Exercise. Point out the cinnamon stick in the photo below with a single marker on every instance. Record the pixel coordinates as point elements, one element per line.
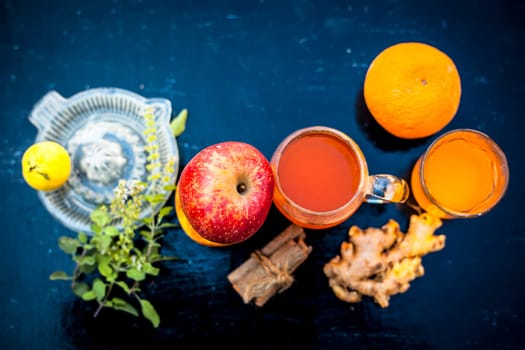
<point>269,270</point>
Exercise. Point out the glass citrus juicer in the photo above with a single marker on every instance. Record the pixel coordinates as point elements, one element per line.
<point>103,130</point>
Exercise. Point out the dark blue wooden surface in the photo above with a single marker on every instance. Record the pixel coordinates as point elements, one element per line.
<point>253,71</point>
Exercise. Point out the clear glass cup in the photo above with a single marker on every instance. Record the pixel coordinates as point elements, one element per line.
<point>321,178</point>
<point>462,174</point>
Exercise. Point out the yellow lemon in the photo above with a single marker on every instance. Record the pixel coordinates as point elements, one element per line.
<point>46,165</point>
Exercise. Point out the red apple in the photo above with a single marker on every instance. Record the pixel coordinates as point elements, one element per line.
<point>224,193</point>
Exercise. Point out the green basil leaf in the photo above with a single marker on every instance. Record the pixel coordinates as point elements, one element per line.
<point>154,199</point>
<point>87,260</point>
<point>150,313</point>
<point>122,305</point>
<point>97,229</point>
<point>150,269</point>
<point>178,124</point>
<point>135,274</point>
<point>79,288</point>
<point>158,258</point>
<point>111,231</point>
<point>145,233</point>
<point>104,269</point>
<point>124,286</point>
<point>60,275</point>
<point>87,269</point>
<point>68,245</point>
<point>163,212</point>
<point>99,288</point>
<point>104,243</point>
<point>82,237</point>
<point>168,225</point>
<point>103,259</point>
<point>89,295</point>
<point>100,217</point>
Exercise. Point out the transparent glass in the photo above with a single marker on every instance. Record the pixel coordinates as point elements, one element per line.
<point>103,130</point>
<point>298,200</point>
<point>462,174</point>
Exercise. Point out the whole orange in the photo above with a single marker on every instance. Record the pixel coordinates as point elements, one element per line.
<point>412,89</point>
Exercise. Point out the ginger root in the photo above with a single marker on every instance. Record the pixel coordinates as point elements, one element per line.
<point>380,262</point>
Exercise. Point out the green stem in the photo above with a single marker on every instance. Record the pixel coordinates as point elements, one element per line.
<point>76,272</point>
<point>136,296</point>
<point>102,303</point>
<point>151,240</point>
<point>133,287</point>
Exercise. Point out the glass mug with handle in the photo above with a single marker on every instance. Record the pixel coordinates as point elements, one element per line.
<point>321,178</point>
<point>462,174</point>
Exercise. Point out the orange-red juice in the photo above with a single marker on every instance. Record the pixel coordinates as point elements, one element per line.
<point>319,172</point>
<point>464,174</point>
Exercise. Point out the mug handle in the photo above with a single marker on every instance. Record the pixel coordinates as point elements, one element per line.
<point>384,188</point>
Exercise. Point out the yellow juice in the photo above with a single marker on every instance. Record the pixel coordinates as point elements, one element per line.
<point>462,174</point>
